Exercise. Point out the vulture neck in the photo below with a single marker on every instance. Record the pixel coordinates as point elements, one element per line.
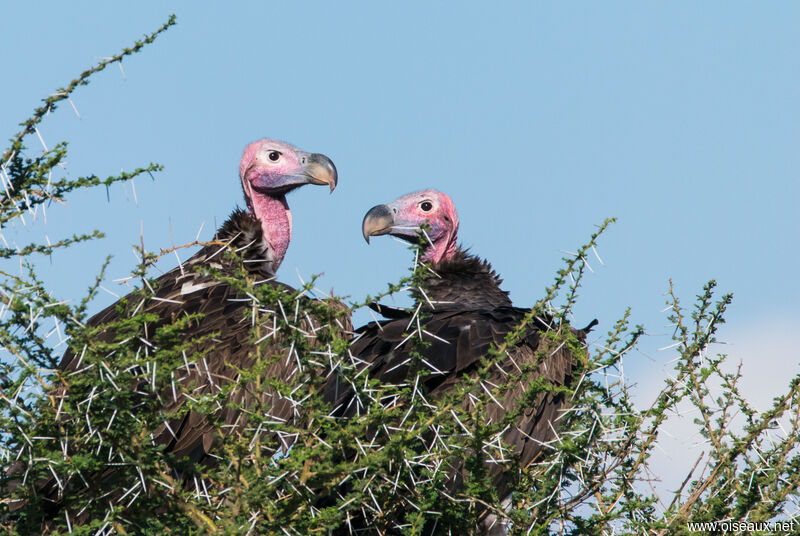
<point>243,233</point>
<point>464,281</point>
<point>276,225</point>
<point>442,250</point>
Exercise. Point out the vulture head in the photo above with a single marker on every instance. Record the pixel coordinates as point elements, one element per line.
<point>269,170</point>
<point>404,216</point>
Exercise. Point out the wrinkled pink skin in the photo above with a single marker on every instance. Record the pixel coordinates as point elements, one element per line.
<point>442,219</point>
<point>257,171</point>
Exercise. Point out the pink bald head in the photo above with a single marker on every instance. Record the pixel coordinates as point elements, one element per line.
<point>256,154</point>
<point>404,216</point>
<point>274,167</point>
<point>269,169</point>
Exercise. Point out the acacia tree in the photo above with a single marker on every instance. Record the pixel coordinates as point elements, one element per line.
<point>78,455</point>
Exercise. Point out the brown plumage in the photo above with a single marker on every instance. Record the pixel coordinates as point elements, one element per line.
<point>227,315</point>
<point>469,312</point>
<point>466,313</point>
<point>222,334</point>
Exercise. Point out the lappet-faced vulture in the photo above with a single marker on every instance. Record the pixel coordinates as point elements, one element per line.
<point>466,313</point>
<point>259,235</point>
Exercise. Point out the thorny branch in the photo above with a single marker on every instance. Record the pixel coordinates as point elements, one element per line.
<point>404,463</point>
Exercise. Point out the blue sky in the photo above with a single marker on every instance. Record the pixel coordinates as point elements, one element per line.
<point>540,120</point>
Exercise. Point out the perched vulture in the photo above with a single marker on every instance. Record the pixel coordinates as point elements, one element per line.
<point>268,170</point>
<point>467,311</point>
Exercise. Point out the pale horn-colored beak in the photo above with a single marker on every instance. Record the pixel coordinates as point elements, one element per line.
<point>379,220</point>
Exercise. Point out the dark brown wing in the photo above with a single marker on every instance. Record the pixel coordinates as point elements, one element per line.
<point>221,331</point>
<point>225,330</point>
<point>460,338</point>
<point>228,317</point>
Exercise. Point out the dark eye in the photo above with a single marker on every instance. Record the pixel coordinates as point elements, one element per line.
<point>274,155</point>
<point>426,206</point>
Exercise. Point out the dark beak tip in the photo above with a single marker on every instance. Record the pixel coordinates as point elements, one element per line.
<point>365,232</point>
<point>377,221</point>
<point>335,176</point>
<point>321,170</point>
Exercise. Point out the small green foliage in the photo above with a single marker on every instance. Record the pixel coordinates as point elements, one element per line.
<point>400,462</point>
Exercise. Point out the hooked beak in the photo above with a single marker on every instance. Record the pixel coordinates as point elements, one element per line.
<point>316,169</point>
<point>378,221</point>
<point>320,170</point>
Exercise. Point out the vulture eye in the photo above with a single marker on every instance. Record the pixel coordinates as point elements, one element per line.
<point>426,206</point>
<point>274,156</point>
